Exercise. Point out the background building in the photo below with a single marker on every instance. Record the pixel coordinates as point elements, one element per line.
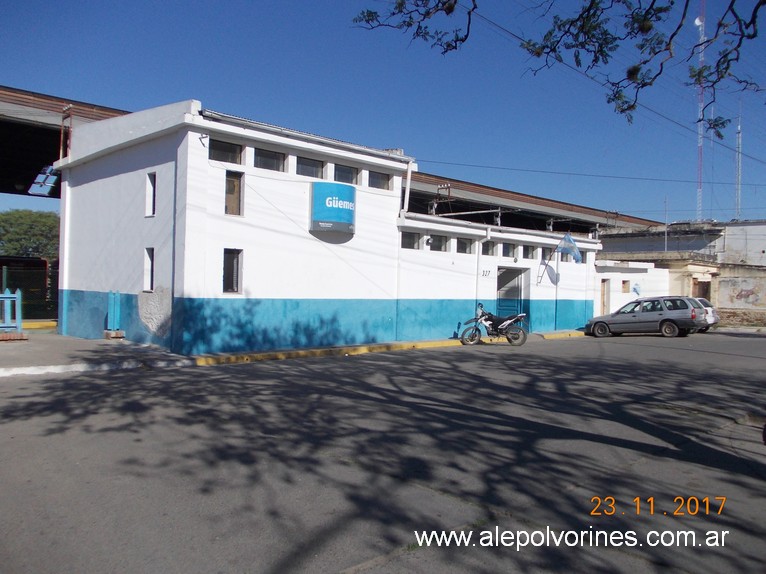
<point>724,262</point>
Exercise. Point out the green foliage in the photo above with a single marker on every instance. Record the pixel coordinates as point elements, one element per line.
<point>27,233</point>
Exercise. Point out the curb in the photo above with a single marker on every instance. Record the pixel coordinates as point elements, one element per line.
<point>235,358</point>
<point>94,367</point>
<point>562,335</point>
<point>34,325</point>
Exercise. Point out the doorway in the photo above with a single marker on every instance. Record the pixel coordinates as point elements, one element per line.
<point>510,291</point>
<point>605,304</point>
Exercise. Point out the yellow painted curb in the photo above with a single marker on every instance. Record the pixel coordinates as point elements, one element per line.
<point>562,335</point>
<point>235,358</point>
<point>32,325</point>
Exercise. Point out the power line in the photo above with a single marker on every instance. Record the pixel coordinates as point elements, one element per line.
<point>576,174</point>
<point>569,66</point>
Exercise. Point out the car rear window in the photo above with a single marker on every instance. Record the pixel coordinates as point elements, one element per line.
<point>675,304</point>
<point>705,302</point>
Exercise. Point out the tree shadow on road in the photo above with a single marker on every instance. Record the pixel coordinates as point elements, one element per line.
<point>379,435</point>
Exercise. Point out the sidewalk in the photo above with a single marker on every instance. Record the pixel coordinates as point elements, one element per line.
<point>44,352</point>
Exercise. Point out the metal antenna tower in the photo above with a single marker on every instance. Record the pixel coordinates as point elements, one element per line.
<point>738,193</point>
<point>700,23</point>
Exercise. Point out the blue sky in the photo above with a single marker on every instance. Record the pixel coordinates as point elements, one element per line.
<point>479,115</point>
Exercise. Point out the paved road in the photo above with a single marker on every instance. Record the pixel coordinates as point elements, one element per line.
<point>331,464</point>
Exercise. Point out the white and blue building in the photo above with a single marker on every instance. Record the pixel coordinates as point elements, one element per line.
<point>203,232</point>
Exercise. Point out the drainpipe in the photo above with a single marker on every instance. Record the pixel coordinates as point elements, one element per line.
<point>63,313</point>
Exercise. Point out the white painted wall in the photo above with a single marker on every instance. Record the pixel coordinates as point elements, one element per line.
<point>281,258</point>
<point>743,244</point>
<point>641,279</point>
<point>106,219</point>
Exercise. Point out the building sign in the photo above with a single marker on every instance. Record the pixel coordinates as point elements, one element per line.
<point>333,207</point>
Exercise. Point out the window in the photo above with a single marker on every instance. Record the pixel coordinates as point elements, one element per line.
<point>232,267</point>
<point>547,253</point>
<point>267,159</point>
<point>626,286</point>
<point>225,151</point>
<point>410,240</point>
<point>488,248</point>
<point>380,180</point>
<point>566,257</point>
<point>346,174</point>
<point>310,167</point>
<point>149,269</point>
<point>509,250</point>
<point>528,252</point>
<point>463,245</point>
<point>233,193</point>
<point>151,194</point>
<point>653,306</point>
<point>437,243</point>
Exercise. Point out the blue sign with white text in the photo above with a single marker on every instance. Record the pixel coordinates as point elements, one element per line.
<point>333,207</point>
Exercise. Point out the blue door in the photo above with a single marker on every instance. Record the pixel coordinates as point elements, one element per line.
<point>509,291</point>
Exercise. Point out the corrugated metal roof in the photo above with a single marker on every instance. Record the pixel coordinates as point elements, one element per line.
<point>530,202</point>
<point>55,104</point>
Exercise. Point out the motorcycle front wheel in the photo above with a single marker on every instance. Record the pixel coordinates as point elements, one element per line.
<point>471,336</point>
<point>516,336</point>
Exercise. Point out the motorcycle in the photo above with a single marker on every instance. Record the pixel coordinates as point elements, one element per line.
<point>510,327</point>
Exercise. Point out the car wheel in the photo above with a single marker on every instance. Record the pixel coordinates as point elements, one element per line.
<point>669,329</point>
<point>601,329</point>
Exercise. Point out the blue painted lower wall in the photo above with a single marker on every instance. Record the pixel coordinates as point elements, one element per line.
<point>202,326</point>
<point>84,314</point>
<point>545,315</point>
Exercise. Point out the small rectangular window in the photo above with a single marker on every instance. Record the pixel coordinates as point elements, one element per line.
<point>346,174</point>
<point>463,245</point>
<point>151,194</point>
<point>225,151</point>
<point>310,167</point>
<point>379,180</point>
<point>410,240</point>
<point>232,268</point>
<point>233,193</point>
<point>509,250</point>
<point>267,159</point>
<point>528,252</point>
<point>149,269</point>
<point>547,253</point>
<point>566,257</point>
<point>488,248</point>
<point>437,243</point>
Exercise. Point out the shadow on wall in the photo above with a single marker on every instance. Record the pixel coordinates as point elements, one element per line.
<point>223,326</point>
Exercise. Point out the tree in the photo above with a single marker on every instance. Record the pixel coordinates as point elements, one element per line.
<point>27,233</point>
<point>590,36</point>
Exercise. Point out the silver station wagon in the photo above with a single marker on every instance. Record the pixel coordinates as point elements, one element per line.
<point>671,316</point>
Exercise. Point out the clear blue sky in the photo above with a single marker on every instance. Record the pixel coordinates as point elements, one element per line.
<point>478,115</point>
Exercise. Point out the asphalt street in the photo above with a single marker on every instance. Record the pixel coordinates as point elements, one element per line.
<point>332,464</point>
